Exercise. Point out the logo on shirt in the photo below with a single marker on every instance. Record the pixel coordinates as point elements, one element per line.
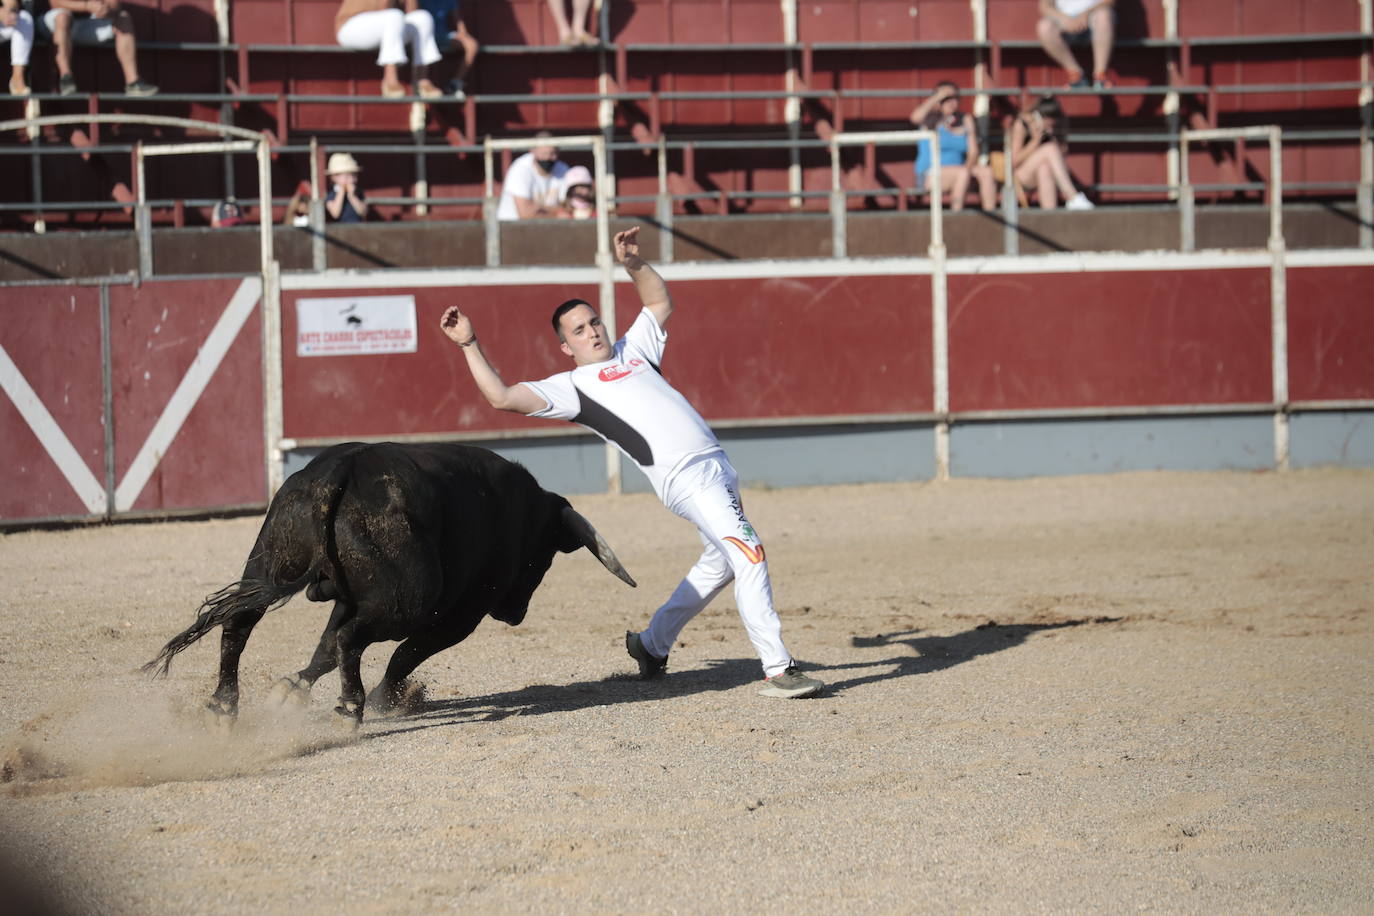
<point>612,373</point>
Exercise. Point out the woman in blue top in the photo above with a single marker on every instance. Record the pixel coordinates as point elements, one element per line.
<point>958,148</point>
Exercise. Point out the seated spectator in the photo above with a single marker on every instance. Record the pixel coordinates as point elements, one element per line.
<point>364,25</point>
<point>958,149</point>
<point>226,213</point>
<point>1076,22</point>
<point>572,32</point>
<point>16,27</point>
<point>450,32</point>
<point>345,202</point>
<point>1038,146</point>
<point>298,207</point>
<point>90,22</point>
<point>533,186</point>
<point>579,194</point>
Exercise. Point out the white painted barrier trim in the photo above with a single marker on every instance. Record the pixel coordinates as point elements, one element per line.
<point>188,392</point>
<point>1081,262</point>
<point>54,441</point>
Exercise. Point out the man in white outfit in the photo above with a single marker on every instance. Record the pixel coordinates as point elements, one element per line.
<point>615,389</point>
<point>16,27</point>
<point>367,24</point>
<point>533,186</point>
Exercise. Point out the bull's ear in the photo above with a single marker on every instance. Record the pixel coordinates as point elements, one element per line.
<point>584,535</point>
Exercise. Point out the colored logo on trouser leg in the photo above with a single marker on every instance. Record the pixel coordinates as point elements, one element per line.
<point>754,554</point>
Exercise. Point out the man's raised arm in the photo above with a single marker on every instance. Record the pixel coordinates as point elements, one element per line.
<point>515,398</point>
<point>653,292</point>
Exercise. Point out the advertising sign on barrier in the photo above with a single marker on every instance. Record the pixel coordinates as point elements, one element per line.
<point>355,326</point>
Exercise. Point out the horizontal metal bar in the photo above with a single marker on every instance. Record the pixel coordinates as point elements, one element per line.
<point>1257,132</point>
<point>1255,88</point>
<point>176,149</point>
<point>1298,38</point>
<point>1073,413</point>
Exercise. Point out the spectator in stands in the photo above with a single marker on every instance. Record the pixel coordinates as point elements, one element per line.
<point>226,213</point>
<point>365,25</point>
<point>345,202</point>
<point>298,207</point>
<point>450,32</point>
<point>579,194</point>
<point>572,32</point>
<point>16,27</point>
<point>1038,146</point>
<point>94,22</point>
<point>534,184</point>
<point>1078,22</point>
<point>958,149</point>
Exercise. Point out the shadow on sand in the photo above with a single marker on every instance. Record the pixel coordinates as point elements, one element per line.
<point>930,654</point>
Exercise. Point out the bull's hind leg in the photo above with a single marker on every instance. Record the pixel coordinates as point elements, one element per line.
<point>350,643</point>
<point>389,694</point>
<point>295,688</point>
<point>224,702</point>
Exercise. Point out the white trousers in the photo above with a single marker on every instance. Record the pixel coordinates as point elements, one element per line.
<point>706,493</point>
<point>389,31</point>
<point>20,37</point>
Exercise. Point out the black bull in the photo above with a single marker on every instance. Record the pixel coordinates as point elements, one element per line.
<point>411,542</point>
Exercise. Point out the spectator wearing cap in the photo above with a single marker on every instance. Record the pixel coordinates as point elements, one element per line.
<point>226,213</point>
<point>579,194</point>
<point>533,186</point>
<point>90,22</point>
<point>16,27</point>
<point>1079,22</point>
<point>345,202</point>
<point>366,25</point>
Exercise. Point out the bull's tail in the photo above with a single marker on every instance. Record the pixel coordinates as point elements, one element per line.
<point>254,595</point>
<point>249,596</point>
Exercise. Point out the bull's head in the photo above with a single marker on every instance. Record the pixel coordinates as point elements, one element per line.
<point>573,532</point>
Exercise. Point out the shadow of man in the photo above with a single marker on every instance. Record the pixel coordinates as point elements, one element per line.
<point>936,653</point>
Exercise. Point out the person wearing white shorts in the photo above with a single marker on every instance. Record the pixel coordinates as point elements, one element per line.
<point>94,22</point>
<point>16,27</point>
<point>380,25</point>
<point>616,390</point>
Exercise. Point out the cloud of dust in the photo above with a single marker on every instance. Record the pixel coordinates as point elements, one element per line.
<point>136,735</point>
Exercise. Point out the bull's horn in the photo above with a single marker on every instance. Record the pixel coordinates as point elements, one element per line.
<point>596,544</point>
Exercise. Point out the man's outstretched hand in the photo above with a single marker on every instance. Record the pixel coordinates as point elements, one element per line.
<point>457,326</point>
<point>627,246</point>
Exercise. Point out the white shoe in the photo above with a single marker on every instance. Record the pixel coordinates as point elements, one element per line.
<point>1079,202</point>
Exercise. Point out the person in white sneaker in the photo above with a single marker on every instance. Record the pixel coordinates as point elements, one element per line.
<point>16,27</point>
<point>1038,145</point>
<point>615,389</point>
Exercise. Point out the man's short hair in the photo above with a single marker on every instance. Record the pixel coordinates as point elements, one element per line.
<point>562,310</point>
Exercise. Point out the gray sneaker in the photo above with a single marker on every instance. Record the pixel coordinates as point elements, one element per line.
<point>790,684</point>
<point>650,666</point>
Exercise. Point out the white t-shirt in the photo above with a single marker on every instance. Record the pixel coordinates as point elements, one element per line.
<point>527,180</point>
<point>1075,7</point>
<point>625,400</point>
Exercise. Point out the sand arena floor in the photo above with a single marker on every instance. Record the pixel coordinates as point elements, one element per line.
<point>1141,691</point>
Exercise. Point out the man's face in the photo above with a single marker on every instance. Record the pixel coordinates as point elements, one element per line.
<point>546,157</point>
<point>584,337</point>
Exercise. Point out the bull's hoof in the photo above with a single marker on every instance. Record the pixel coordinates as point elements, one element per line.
<point>348,716</point>
<point>403,699</point>
<point>219,717</point>
<point>290,691</point>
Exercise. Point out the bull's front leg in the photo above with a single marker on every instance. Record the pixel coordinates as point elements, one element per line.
<point>224,702</point>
